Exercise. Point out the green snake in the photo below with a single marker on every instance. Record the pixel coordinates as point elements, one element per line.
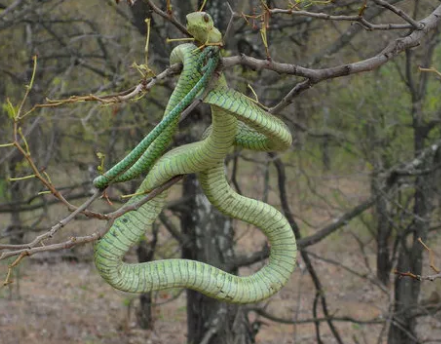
<point>236,121</point>
<point>153,145</point>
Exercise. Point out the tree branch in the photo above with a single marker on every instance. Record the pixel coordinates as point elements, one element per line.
<point>315,76</point>
<point>30,249</point>
<point>274,318</point>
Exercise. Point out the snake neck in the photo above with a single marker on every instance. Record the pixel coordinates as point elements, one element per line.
<point>222,132</point>
<point>198,156</point>
<point>188,56</point>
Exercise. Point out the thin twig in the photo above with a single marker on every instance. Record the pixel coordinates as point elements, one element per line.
<point>431,256</point>
<point>354,18</point>
<point>168,17</point>
<point>30,249</point>
<point>152,194</point>
<point>416,25</point>
<point>314,76</point>
<point>123,96</point>
<point>49,234</point>
<point>272,317</point>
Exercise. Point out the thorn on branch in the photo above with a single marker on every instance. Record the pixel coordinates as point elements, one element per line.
<point>362,9</point>
<point>430,70</point>
<point>5,145</point>
<point>12,179</point>
<point>407,274</point>
<point>432,265</point>
<point>106,197</point>
<point>431,256</point>
<point>8,280</point>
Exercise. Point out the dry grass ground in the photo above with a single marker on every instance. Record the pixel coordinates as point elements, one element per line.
<point>66,302</point>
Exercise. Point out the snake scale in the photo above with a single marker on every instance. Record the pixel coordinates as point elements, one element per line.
<point>236,121</point>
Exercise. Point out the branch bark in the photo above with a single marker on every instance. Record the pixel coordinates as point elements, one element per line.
<point>314,76</point>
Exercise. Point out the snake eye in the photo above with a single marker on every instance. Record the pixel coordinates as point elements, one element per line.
<point>206,18</point>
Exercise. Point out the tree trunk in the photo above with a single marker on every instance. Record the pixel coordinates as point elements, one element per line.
<point>407,290</point>
<point>384,231</point>
<point>208,320</point>
<point>145,252</point>
<point>402,330</point>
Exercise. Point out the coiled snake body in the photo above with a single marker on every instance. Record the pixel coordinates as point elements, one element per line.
<point>236,121</point>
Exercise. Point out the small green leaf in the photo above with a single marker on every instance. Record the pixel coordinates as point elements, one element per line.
<point>101,157</point>
<point>10,109</point>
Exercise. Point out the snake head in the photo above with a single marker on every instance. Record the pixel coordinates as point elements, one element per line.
<point>200,25</point>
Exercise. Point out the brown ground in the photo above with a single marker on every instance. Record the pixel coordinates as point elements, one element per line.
<point>62,302</point>
<point>67,302</point>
